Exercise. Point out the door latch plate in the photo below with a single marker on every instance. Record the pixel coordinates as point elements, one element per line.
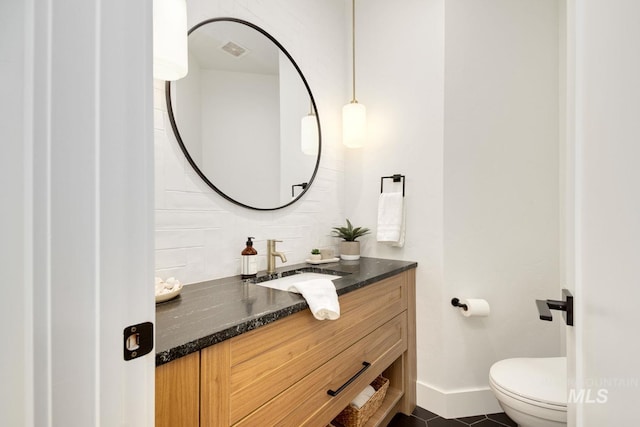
<point>137,340</point>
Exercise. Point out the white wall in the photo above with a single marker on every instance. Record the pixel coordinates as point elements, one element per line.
<point>501,180</point>
<point>199,235</point>
<point>462,98</point>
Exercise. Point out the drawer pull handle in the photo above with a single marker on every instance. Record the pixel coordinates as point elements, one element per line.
<point>365,366</point>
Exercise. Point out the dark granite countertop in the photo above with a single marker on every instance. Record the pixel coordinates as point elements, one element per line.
<point>209,312</point>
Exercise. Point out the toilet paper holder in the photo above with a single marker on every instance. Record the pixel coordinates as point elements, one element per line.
<point>456,303</point>
<point>472,307</point>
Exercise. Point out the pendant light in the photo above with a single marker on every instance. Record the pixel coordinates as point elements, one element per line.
<point>170,57</point>
<point>309,133</point>
<point>354,115</point>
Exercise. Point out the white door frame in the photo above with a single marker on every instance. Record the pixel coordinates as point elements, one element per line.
<point>80,176</point>
<point>604,211</point>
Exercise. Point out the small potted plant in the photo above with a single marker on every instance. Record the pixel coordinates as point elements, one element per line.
<point>315,255</point>
<point>350,247</point>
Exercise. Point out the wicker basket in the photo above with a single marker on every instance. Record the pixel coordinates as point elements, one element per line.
<point>353,417</point>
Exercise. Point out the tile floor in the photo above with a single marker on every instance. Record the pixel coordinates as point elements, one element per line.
<point>423,418</point>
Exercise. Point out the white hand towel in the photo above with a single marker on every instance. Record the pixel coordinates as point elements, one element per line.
<point>321,296</point>
<point>363,397</point>
<point>391,218</point>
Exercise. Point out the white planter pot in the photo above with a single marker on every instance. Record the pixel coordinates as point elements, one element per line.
<point>350,251</point>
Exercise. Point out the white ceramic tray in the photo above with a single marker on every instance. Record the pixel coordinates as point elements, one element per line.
<point>169,295</point>
<point>322,261</point>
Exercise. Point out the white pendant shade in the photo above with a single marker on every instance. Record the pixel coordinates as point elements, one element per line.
<point>170,57</point>
<point>354,125</point>
<point>309,135</point>
<point>354,115</point>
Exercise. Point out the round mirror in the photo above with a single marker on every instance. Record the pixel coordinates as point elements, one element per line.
<point>244,115</point>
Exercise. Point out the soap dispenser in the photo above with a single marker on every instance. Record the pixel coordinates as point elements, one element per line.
<point>249,267</point>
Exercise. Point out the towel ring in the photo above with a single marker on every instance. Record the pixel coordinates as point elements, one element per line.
<point>396,178</point>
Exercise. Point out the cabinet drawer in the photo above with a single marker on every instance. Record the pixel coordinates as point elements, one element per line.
<point>307,402</point>
<point>269,360</point>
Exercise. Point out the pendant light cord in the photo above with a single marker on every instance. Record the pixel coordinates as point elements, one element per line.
<point>353,46</point>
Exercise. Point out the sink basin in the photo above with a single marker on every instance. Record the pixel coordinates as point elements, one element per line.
<point>284,283</point>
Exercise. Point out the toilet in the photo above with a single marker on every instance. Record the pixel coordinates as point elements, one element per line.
<point>532,391</point>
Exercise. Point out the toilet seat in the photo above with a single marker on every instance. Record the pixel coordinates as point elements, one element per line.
<point>532,391</point>
<point>524,400</point>
<point>538,381</point>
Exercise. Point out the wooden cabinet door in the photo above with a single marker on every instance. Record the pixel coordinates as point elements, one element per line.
<point>178,392</point>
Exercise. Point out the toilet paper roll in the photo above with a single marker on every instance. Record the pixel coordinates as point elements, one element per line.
<point>475,308</point>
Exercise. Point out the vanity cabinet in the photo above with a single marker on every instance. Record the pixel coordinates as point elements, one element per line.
<point>279,374</point>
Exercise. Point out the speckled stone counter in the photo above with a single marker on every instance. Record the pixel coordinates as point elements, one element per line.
<point>210,312</point>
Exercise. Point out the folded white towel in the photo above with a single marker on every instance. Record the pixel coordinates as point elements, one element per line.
<point>391,219</point>
<point>363,397</point>
<point>321,296</point>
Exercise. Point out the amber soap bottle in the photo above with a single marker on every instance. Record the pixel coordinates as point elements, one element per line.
<point>249,260</point>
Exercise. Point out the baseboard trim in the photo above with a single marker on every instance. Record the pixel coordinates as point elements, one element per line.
<point>456,403</point>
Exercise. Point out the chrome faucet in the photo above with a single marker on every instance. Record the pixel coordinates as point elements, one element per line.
<point>272,254</point>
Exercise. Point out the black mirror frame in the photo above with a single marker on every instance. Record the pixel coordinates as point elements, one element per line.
<point>195,167</point>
